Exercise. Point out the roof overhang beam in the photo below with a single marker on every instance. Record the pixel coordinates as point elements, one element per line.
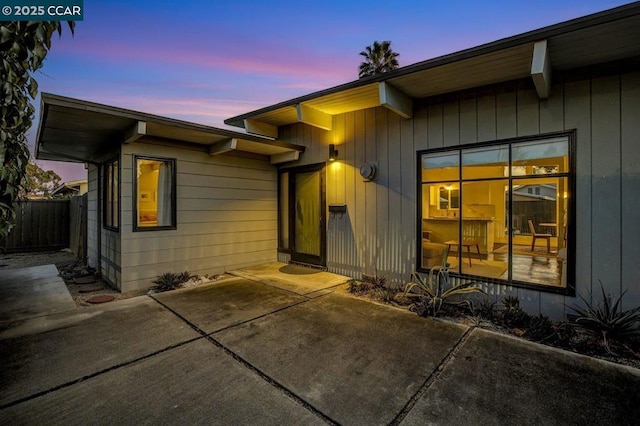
<point>224,146</point>
<point>135,132</point>
<point>260,128</point>
<point>541,69</point>
<point>314,117</point>
<point>284,157</point>
<point>395,100</point>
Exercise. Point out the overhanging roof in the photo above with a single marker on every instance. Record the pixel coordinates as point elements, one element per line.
<point>80,131</point>
<point>602,37</point>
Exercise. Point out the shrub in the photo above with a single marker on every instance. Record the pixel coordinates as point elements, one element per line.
<point>540,328</point>
<point>388,294</point>
<point>484,308</point>
<point>513,315</point>
<point>171,280</point>
<point>511,302</point>
<point>433,291</point>
<point>374,282</point>
<point>353,286</point>
<point>607,319</point>
<point>368,283</point>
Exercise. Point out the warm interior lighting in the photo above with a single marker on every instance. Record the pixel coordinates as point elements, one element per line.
<point>333,152</point>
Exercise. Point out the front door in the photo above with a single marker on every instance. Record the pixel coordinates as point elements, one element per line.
<point>307,214</point>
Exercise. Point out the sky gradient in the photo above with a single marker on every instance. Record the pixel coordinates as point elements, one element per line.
<point>205,61</point>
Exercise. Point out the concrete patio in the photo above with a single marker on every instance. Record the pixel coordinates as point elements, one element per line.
<point>246,351</point>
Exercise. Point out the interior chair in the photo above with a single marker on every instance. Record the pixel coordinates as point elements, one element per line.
<point>535,236</point>
<point>433,254</point>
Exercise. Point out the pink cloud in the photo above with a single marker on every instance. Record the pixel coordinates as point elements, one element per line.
<point>254,61</point>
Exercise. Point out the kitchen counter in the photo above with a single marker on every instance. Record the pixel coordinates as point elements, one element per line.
<point>464,219</point>
<point>446,228</point>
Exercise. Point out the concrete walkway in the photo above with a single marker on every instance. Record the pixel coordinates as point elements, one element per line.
<point>32,292</point>
<point>242,351</point>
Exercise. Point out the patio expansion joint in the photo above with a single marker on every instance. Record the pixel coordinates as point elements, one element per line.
<point>246,364</point>
<point>432,377</point>
<point>236,324</point>
<point>97,373</point>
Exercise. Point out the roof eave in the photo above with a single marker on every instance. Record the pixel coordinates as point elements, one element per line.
<point>130,126</point>
<point>583,22</point>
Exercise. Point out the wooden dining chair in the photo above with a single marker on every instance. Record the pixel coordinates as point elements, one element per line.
<point>535,236</point>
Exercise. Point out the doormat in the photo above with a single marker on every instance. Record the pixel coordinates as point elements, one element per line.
<point>294,266</point>
<point>299,270</point>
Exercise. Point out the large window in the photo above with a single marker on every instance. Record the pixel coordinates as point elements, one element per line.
<point>155,189</point>
<point>111,195</point>
<point>499,211</point>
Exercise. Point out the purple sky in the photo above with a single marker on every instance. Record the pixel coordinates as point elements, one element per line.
<point>204,61</point>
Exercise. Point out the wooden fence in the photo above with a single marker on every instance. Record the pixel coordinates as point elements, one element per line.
<point>78,225</point>
<point>47,225</point>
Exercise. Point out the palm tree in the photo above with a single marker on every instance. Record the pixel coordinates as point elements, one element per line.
<point>379,58</point>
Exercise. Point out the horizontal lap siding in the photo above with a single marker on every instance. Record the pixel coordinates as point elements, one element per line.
<point>226,215</point>
<point>103,245</point>
<point>377,235</point>
<point>92,216</point>
<point>110,260</point>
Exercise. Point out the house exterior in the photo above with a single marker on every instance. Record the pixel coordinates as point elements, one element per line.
<point>71,188</point>
<point>165,195</point>
<point>383,175</point>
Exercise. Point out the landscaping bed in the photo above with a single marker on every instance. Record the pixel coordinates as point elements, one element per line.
<point>506,316</point>
<point>83,283</point>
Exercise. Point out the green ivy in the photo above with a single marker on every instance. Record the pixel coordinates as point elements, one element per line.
<point>23,48</point>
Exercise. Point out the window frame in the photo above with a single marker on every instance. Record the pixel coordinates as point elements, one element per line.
<point>570,289</point>
<point>107,177</point>
<point>173,162</point>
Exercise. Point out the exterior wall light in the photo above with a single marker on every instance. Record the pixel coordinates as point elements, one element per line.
<point>333,152</point>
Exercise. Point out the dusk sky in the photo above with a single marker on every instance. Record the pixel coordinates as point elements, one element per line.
<point>205,61</point>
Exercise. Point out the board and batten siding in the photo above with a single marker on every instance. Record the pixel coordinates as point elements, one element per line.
<point>226,214</point>
<point>377,234</point>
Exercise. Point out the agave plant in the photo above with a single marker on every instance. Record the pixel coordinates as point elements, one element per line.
<point>608,319</point>
<point>435,289</point>
<point>171,280</point>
